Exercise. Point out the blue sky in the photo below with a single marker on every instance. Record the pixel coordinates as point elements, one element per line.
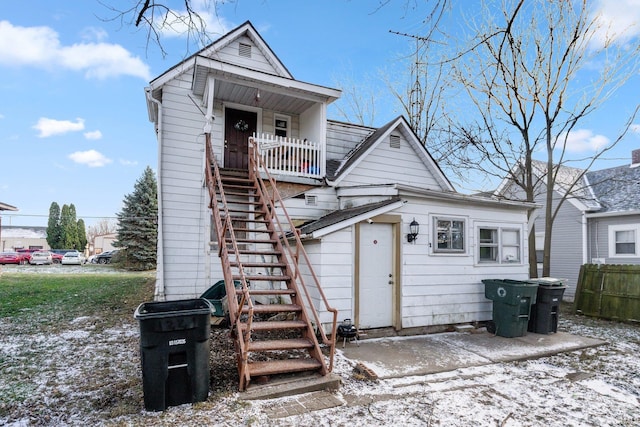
<point>73,120</point>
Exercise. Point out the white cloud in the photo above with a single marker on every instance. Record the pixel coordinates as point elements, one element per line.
<point>40,47</point>
<point>125,162</point>
<point>91,158</point>
<point>619,20</point>
<point>582,140</point>
<point>50,127</point>
<point>93,135</point>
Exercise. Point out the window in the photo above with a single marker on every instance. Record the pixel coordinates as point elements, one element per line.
<point>623,240</point>
<point>449,235</point>
<point>281,126</point>
<point>498,245</point>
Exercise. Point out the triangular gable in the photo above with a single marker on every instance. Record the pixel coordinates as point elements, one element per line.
<point>248,31</point>
<point>245,30</point>
<point>583,199</point>
<point>373,141</point>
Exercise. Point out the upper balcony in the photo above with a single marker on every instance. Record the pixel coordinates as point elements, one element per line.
<point>291,156</point>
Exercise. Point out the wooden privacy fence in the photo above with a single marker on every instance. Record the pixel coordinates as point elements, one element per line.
<point>609,291</point>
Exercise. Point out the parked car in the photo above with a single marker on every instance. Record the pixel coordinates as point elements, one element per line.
<point>73,258</point>
<point>56,258</point>
<point>11,258</point>
<point>105,257</point>
<point>41,257</point>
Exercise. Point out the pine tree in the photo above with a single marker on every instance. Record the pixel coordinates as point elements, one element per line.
<point>82,235</point>
<point>69,227</point>
<point>54,231</point>
<point>138,224</point>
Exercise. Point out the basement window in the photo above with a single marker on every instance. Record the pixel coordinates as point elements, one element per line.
<point>244,50</point>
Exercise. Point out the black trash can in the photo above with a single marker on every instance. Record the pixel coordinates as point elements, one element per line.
<point>512,300</point>
<point>174,348</point>
<point>544,313</point>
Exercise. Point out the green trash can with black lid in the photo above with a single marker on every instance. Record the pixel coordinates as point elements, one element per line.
<point>545,311</point>
<point>174,351</point>
<point>512,301</point>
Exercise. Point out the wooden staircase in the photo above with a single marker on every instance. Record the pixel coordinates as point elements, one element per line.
<point>274,322</point>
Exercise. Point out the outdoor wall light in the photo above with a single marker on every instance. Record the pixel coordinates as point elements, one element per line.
<point>414,229</point>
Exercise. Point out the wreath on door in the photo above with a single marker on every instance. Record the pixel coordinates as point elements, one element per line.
<point>241,125</point>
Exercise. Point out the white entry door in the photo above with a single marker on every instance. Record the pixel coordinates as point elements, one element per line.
<point>376,284</point>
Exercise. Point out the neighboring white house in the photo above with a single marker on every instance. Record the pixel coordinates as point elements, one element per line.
<point>599,222</point>
<point>22,237</point>
<point>103,243</point>
<point>353,190</point>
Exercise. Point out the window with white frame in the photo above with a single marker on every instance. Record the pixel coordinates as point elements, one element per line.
<point>499,245</point>
<point>449,235</point>
<point>623,240</point>
<point>281,125</point>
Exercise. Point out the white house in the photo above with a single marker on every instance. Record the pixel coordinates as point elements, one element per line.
<point>352,192</point>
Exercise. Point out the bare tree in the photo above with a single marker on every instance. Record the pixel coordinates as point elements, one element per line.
<point>159,17</point>
<point>520,77</point>
<point>102,227</point>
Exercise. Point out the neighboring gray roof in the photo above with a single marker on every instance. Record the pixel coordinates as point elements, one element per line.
<point>343,215</point>
<point>617,189</point>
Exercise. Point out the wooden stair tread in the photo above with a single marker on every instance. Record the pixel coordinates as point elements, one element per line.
<point>282,366</point>
<point>263,277</point>
<point>259,264</point>
<point>275,325</point>
<point>283,344</point>
<point>273,308</point>
<point>268,292</point>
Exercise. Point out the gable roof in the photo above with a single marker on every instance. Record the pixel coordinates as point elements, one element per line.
<point>617,189</point>
<point>581,194</point>
<point>353,158</point>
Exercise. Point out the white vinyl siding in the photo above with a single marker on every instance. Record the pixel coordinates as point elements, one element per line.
<point>245,53</point>
<point>385,165</point>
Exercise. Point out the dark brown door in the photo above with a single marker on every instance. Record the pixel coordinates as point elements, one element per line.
<point>238,127</point>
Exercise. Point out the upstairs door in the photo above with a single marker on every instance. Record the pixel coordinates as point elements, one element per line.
<point>238,127</point>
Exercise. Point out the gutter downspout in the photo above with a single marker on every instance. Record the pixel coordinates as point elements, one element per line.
<point>585,237</point>
<point>159,294</point>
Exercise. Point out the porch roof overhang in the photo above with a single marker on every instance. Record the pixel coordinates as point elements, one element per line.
<point>6,207</point>
<point>239,85</point>
<point>342,218</point>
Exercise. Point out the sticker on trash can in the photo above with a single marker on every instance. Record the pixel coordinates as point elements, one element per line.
<point>180,341</point>
<point>502,292</point>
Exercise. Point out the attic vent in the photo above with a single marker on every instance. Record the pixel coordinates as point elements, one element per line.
<point>244,50</point>
<point>310,200</point>
<point>394,141</point>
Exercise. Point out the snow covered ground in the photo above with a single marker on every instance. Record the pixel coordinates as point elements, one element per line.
<point>87,371</point>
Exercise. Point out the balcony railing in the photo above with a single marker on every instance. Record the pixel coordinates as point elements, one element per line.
<point>290,156</point>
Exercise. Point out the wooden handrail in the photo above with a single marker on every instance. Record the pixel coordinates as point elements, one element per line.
<point>213,180</point>
<point>257,165</point>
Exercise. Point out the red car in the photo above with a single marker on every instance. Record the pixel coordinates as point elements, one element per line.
<point>12,258</point>
<point>57,258</point>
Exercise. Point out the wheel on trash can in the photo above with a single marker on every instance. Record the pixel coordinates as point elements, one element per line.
<point>491,327</point>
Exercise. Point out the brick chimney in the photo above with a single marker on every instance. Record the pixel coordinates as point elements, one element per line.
<point>635,157</point>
